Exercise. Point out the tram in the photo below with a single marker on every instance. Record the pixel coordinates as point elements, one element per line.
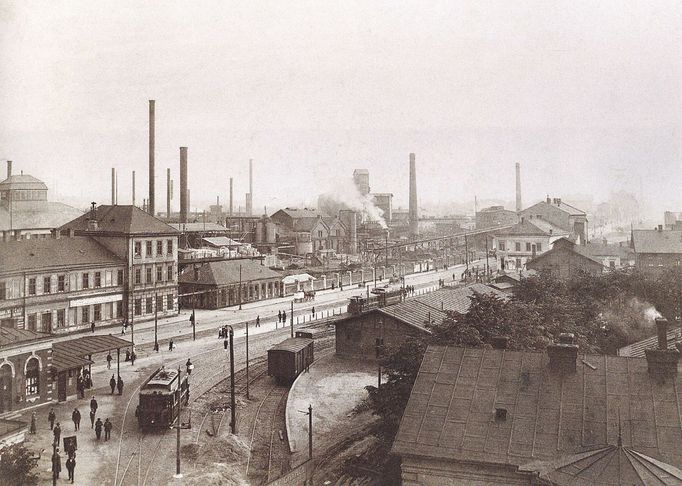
<point>160,399</point>
<point>380,298</point>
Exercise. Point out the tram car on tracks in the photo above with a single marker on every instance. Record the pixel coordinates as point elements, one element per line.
<point>160,398</point>
<point>379,298</point>
<point>291,357</point>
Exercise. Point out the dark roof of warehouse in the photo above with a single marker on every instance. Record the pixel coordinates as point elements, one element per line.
<point>457,299</point>
<point>414,313</point>
<point>26,255</point>
<point>293,345</point>
<point>524,228</point>
<point>296,213</point>
<point>227,273</point>
<point>122,220</point>
<point>654,241</point>
<point>564,244</point>
<point>88,345</point>
<point>10,335</point>
<point>451,410</point>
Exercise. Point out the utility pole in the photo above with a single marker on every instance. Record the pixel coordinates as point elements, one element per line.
<point>309,413</point>
<point>466,252</point>
<point>487,266</point>
<point>240,287</point>
<point>177,427</point>
<point>156,322</point>
<point>194,315</point>
<point>247,360</point>
<point>292,318</point>
<point>233,407</point>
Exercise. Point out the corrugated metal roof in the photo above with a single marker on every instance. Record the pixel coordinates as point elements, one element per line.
<point>87,345</point>
<point>292,344</point>
<point>457,299</point>
<point>27,255</point>
<point>654,241</point>
<point>451,410</point>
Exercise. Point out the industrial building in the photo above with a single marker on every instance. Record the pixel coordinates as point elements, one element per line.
<point>559,214</point>
<point>495,216</point>
<point>657,250</point>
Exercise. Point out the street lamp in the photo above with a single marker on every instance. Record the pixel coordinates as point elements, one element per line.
<point>309,413</point>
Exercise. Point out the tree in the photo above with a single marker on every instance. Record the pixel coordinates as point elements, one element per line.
<point>17,466</point>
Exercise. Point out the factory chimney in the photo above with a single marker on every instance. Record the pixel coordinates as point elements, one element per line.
<point>230,196</point>
<point>183,185</point>
<point>519,206</point>
<point>249,196</point>
<point>414,213</point>
<point>9,169</point>
<point>133,188</point>
<point>151,157</point>
<point>168,193</point>
<point>113,186</point>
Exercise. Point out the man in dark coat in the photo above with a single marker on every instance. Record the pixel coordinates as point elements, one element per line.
<point>98,428</point>
<point>71,466</point>
<point>93,404</point>
<point>57,431</point>
<point>119,385</point>
<point>56,464</point>
<point>107,429</point>
<point>109,358</point>
<point>76,417</point>
<point>112,384</point>
<point>92,418</point>
<point>51,418</point>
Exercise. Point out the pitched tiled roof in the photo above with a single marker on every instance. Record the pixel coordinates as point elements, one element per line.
<point>451,412</point>
<point>47,215</point>
<point>568,245</point>
<point>605,250</point>
<point>10,335</point>
<point>457,299</point>
<point>567,208</point>
<point>227,273</point>
<point>122,220</point>
<point>654,241</point>
<point>524,228</point>
<point>307,224</point>
<point>636,350</point>
<point>33,254</point>
<point>414,313</point>
<point>296,213</point>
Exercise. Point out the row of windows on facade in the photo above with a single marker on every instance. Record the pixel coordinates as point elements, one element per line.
<point>517,246</point>
<point>115,311</point>
<point>24,195</point>
<point>149,272</point>
<point>47,287</point>
<point>32,376</point>
<point>149,248</point>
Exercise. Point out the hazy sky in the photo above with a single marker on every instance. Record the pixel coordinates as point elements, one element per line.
<point>585,95</point>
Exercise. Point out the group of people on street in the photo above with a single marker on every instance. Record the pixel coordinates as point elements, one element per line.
<point>282,317</point>
<point>82,382</point>
<point>116,384</point>
<point>409,289</point>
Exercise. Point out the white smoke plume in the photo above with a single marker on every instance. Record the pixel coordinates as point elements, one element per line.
<point>345,195</point>
<point>651,313</point>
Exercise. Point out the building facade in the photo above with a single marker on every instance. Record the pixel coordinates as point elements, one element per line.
<point>495,216</point>
<point>566,260</point>
<point>559,214</point>
<point>516,246</point>
<point>657,250</point>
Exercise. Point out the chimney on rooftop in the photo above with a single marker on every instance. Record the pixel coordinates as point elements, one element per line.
<point>564,354</point>
<point>92,221</point>
<point>518,188</point>
<point>549,201</point>
<point>168,193</point>
<point>662,362</point>
<point>113,186</point>
<point>9,169</point>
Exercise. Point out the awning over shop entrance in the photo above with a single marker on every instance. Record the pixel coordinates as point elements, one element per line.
<point>89,345</point>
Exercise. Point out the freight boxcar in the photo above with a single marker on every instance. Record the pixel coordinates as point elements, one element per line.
<point>289,358</point>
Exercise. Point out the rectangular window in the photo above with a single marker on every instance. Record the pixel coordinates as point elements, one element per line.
<point>149,249</point>
<point>538,246</point>
<point>138,307</point>
<point>501,245</point>
<point>32,319</point>
<point>46,322</point>
<point>61,283</point>
<point>61,318</point>
<point>159,247</point>
<point>98,312</point>
<point>319,234</point>
<point>138,249</point>
<point>149,307</point>
<point>159,273</point>
<point>85,314</point>
<point>31,286</point>
<point>32,382</point>
<point>159,303</point>
<point>528,247</point>
<point>119,277</point>
<point>86,280</point>
<point>3,291</point>
<point>518,246</point>
<point>169,302</point>
<point>119,309</point>
<point>169,247</point>
<point>98,279</point>
<point>148,275</point>
<point>46,285</point>
<point>169,273</point>
<point>138,276</point>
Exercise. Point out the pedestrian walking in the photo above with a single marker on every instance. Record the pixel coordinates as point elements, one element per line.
<point>93,404</point>
<point>107,429</point>
<point>119,385</point>
<point>171,345</point>
<point>98,428</point>
<point>109,358</point>
<point>92,419</point>
<point>127,355</point>
<point>56,464</point>
<point>51,418</point>
<point>112,384</point>
<point>57,431</point>
<point>71,466</point>
<point>279,316</point>
<point>257,321</point>
<point>92,327</point>
<point>312,311</point>
<point>284,317</point>
<point>76,417</point>
<point>33,423</point>
<point>80,386</point>
<point>133,356</point>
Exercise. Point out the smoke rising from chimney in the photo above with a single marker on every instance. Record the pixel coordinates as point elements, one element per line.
<point>346,195</point>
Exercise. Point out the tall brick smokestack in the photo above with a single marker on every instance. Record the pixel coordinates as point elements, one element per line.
<point>414,213</point>
<point>230,196</point>
<point>519,206</point>
<point>183,185</point>
<point>168,193</point>
<point>151,156</point>
<point>113,186</point>
<point>249,196</point>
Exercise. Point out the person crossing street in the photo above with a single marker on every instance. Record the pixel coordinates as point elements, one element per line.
<point>51,418</point>
<point>98,428</point>
<point>76,417</point>
<point>119,385</point>
<point>107,429</point>
<point>71,467</point>
<point>112,384</point>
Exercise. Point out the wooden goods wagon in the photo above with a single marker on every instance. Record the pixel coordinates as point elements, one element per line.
<point>289,358</point>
